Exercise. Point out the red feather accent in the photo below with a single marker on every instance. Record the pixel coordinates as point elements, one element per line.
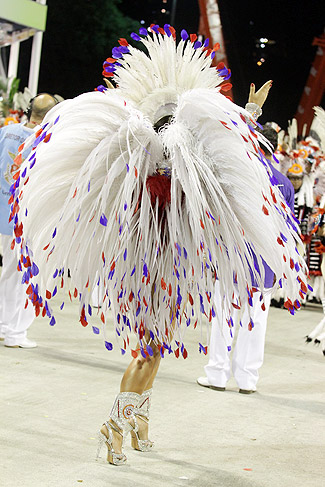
<point>123,42</point>
<point>265,210</point>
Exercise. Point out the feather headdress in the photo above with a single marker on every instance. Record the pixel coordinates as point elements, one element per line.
<point>167,71</point>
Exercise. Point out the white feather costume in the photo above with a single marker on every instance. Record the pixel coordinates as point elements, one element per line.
<point>82,200</point>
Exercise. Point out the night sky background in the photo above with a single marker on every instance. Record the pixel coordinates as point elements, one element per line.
<point>80,35</point>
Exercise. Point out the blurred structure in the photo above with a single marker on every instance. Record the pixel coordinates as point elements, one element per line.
<point>315,87</point>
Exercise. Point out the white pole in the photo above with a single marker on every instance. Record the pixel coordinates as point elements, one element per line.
<point>35,59</point>
<point>13,60</point>
<point>3,71</point>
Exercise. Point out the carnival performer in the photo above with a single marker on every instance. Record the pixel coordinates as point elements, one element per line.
<point>293,164</point>
<point>315,145</point>
<point>146,189</point>
<point>304,162</point>
<point>318,333</point>
<point>315,166</point>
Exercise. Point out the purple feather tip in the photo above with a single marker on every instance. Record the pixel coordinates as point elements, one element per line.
<point>101,88</point>
<point>135,36</point>
<point>116,51</point>
<point>103,220</point>
<point>167,30</point>
<point>155,28</point>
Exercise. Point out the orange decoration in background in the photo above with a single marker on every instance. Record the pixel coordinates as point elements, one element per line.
<point>303,153</point>
<point>10,120</point>
<point>296,169</point>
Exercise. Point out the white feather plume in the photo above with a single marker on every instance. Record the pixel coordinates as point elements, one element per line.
<point>84,203</point>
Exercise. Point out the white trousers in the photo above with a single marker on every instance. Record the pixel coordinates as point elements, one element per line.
<point>14,318</point>
<point>248,353</point>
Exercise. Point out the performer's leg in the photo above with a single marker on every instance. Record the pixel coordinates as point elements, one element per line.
<point>249,350</point>
<point>3,325</point>
<point>218,368</point>
<point>316,331</point>
<point>14,317</point>
<point>141,372</point>
<point>130,411</point>
<point>139,377</point>
<point>7,282</point>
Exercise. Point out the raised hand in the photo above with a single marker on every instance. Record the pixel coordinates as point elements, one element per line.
<point>259,96</point>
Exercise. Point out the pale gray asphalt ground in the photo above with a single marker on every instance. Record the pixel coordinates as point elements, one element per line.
<point>54,399</point>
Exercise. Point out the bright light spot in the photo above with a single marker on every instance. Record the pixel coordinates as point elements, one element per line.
<point>163,10</point>
<point>262,46</point>
<point>259,63</point>
<point>262,59</point>
<point>142,22</point>
<point>264,40</point>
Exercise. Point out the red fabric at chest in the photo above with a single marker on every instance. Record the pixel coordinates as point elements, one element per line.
<point>158,187</point>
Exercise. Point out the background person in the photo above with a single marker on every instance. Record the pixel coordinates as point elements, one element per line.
<point>248,353</point>
<point>15,316</point>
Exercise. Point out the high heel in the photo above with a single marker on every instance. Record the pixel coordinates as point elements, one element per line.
<point>141,412</point>
<point>112,457</point>
<point>121,414</point>
<point>136,443</point>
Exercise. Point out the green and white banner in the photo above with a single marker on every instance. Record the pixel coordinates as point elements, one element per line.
<point>24,12</point>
